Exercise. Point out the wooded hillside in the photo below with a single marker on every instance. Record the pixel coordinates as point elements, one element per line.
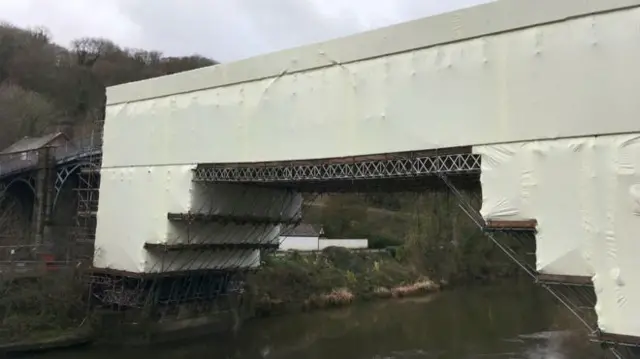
<point>44,86</point>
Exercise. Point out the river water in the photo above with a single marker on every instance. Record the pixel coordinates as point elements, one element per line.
<point>504,321</point>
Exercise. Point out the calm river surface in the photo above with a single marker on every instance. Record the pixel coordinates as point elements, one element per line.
<point>505,321</point>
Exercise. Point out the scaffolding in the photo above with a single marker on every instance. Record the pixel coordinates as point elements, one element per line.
<point>87,195</point>
<point>217,262</point>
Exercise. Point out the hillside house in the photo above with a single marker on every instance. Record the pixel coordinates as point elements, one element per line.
<point>24,152</point>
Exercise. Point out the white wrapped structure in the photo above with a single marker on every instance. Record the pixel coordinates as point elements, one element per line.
<point>409,87</point>
<point>534,86</point>
<point>585,195</point>
<point>153,192</point>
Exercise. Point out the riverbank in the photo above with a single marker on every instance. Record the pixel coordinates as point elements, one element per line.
<point>331,278</point>
<point>51,309</point>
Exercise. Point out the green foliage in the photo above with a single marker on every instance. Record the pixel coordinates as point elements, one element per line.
<point>293,277</point>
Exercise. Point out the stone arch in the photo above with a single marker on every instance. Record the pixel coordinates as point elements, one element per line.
<point>17,197</point>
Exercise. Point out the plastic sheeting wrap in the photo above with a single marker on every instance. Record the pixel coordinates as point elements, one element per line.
<point>134,203</point>
<point>133,209</point>
<point>399,99</point>
<point>585,195</point>
<point>542,181</point>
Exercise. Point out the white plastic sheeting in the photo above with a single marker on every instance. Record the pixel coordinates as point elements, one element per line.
<point>584,193</point>
<point>541,180</point>
<point>135,201</point>
<point>519,85</point>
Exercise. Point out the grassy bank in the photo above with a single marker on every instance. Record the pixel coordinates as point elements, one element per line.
<point>333,277</point>
<point>43,308</point>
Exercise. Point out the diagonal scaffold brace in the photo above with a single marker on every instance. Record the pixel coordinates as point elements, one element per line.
<point>477,218</point>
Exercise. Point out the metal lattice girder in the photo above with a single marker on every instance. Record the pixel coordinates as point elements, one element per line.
<point>231,218</point>
<point>450,164</point>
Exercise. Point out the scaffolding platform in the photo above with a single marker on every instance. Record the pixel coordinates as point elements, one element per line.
<point>219,246</point>
<point>525,225</point>
<point>230,218</point>
<point>553,279</point>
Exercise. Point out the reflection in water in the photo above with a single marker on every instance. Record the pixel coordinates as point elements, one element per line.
<point>507,321</point>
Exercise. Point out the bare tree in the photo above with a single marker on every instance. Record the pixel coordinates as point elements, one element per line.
<point>88,50</point>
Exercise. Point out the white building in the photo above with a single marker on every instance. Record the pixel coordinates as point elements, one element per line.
<point>308,237</point>
<point>304,237</point>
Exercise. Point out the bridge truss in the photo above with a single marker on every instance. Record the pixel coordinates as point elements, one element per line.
<point>87,197</point>
<point>389,172</point>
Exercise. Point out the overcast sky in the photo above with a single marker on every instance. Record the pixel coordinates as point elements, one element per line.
<point>225,30</point>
